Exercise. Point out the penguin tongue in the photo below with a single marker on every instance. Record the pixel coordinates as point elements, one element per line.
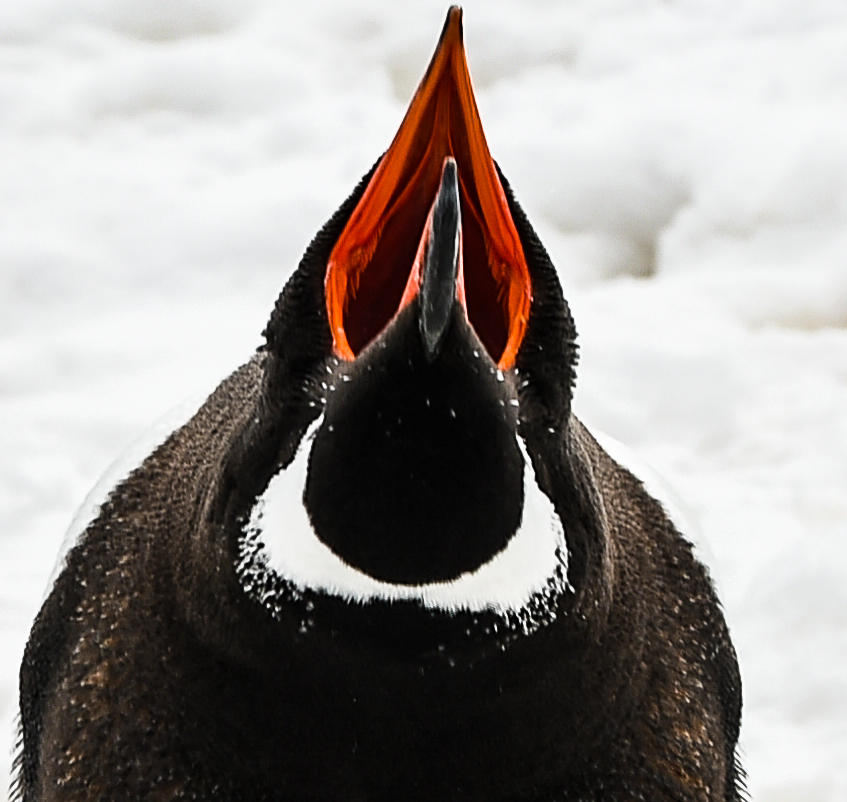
<point>370,270</point>
<point>437,275</point>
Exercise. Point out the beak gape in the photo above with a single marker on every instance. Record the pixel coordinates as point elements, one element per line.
<point>374,269</point>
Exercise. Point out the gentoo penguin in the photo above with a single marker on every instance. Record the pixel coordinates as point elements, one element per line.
<point>384,561</point>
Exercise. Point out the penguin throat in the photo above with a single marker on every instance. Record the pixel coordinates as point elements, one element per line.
<point>369,269</point>
<point>281,557</point>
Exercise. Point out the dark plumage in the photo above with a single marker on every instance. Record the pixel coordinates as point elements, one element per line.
<point>173,661</point>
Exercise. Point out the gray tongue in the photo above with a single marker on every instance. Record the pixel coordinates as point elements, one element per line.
<point>441,262</point>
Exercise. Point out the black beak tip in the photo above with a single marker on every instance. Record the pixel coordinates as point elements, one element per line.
<point>454,16</point>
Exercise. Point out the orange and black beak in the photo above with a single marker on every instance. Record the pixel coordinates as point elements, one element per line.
<point>376,265</point>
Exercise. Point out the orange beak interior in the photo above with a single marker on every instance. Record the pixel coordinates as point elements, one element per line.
<point>370,265</point>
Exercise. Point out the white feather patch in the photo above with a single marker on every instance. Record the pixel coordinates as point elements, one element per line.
<point>535,555</point>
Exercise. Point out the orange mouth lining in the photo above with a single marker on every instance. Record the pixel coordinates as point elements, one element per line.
<point>369,266</point>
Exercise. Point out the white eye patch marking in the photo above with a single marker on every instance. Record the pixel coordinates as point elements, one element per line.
<point>535,554</point>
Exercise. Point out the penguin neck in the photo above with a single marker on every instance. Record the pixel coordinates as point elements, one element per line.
<point>411,485</point>
<point>415,475</point>
<point>286,567</point>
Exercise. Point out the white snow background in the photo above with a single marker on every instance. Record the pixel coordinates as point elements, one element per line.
<point>163,165</point>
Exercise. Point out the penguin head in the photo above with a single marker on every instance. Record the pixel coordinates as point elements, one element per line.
<point>418,379</point>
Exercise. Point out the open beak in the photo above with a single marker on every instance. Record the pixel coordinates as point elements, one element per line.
<point>374,269</point>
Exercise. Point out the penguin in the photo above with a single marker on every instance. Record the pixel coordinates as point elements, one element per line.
<point>384,560</point>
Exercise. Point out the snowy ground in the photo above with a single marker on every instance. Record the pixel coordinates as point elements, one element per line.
<point>164,163</point>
